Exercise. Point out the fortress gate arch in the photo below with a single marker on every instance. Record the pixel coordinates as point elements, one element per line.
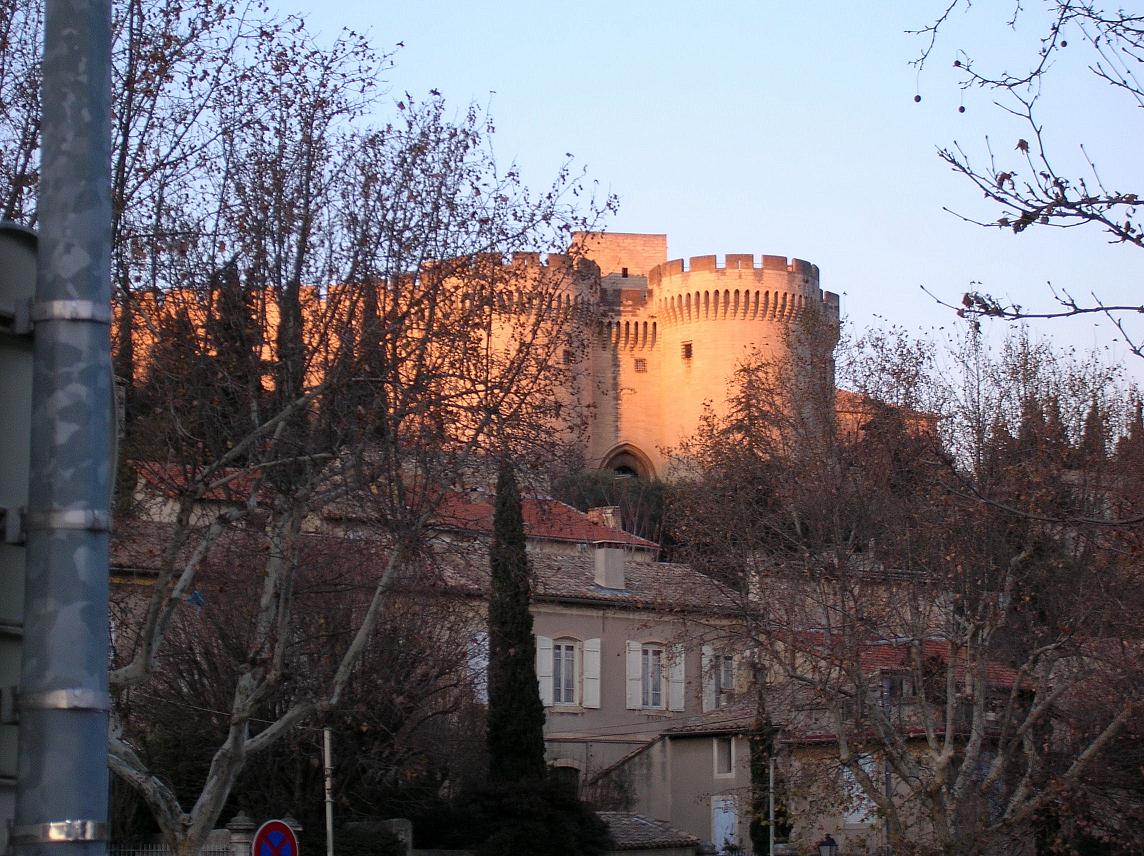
<point>626,459</point>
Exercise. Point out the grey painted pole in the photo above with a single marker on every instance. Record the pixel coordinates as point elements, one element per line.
<point>62,778</point>
<point>771,803</point>
<point>328,759</point>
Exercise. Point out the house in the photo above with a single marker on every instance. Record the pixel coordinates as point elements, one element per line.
<point>627,647</point>
<point>714,771</point>
<point>696,772</point>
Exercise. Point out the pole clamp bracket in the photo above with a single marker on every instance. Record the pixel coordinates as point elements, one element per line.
<point>70,310</point>
<point>68,698</point>
<point>86,519</point>
<point>60,831</point>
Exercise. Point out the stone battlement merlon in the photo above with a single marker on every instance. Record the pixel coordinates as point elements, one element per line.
<point>732,262</point>
<point>506,261</point>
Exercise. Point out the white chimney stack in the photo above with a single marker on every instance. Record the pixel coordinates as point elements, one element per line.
<point>610,565</point>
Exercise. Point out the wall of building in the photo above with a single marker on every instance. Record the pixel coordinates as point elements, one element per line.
<point>676,780</point>
<point>591,739</point>
<point>695,785</point>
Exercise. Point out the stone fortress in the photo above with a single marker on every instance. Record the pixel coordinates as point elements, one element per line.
<point>673,334</point>
<point>663,338</point>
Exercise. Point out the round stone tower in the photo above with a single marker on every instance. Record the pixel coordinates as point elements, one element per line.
<point>673,334</point>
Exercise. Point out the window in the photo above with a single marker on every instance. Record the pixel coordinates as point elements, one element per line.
<point>641,364</point>
<point>724,751</point>
<point>896,687</point>
<point>568,672</point>
<point>724,679</point>
<point>860,809</point>
<point>569,357</point>
<point>651,676</point>
<point>718,678</point>
<point>687,350</point>
<point>655,676</point>
<point>564,672</point>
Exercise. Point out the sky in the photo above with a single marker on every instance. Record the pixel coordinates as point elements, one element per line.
<point>782,128</point>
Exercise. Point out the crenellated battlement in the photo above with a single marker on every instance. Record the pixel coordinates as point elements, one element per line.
<point>737,286</point>
<point>733,263</point>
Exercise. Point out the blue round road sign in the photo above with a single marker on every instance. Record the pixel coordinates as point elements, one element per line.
<point>274,838</point>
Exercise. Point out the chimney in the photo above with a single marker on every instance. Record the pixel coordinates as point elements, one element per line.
<point>610,565</point>
<point>606,515</point>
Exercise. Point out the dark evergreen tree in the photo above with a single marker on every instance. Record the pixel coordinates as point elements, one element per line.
<point>516,716</point>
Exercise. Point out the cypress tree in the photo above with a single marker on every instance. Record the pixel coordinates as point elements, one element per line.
<point>515,714</point>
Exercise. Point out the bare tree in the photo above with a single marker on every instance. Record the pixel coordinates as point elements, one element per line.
<point>1031,179</point>
<point>375,394</point>
<point>21,27</point>
<point>404,693</point>
<point>313,314</point>
<point>942,613</point>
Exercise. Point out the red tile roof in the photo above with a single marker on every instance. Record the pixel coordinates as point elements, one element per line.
<point>544,518</point>
<point>653,586</point>
<point>459,569</point>
<point>888,656</point>
<point>461,511</point>
<point>878,655</point>
<point>637,832</point>
<point>738,718</point>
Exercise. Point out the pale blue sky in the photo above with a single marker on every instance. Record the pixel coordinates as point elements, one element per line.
<point>774,127</point>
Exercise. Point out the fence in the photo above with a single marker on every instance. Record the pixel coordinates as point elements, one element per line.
<point>124,849</point>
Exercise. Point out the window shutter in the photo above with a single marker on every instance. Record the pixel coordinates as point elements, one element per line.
<point>591,691</point>
<point>675,678</point>
<point>544,668</point>
<point>634,678</point>
<point>708,677</point>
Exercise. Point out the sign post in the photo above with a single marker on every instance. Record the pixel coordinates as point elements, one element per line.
<point>274,838</point>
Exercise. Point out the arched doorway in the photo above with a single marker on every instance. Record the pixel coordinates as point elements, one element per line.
<point>626,460</point>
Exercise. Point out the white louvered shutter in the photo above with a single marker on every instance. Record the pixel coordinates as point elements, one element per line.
<point>544,668</point>
<point>634,678</point>
<point>710,702</point>
<point>591,691</point>
<point>675,679</point>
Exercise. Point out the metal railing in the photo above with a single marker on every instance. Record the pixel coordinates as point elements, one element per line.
<point>126,849</point>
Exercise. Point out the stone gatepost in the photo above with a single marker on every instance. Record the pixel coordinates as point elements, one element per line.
<point>294,824</point>
<point>241,829</point>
